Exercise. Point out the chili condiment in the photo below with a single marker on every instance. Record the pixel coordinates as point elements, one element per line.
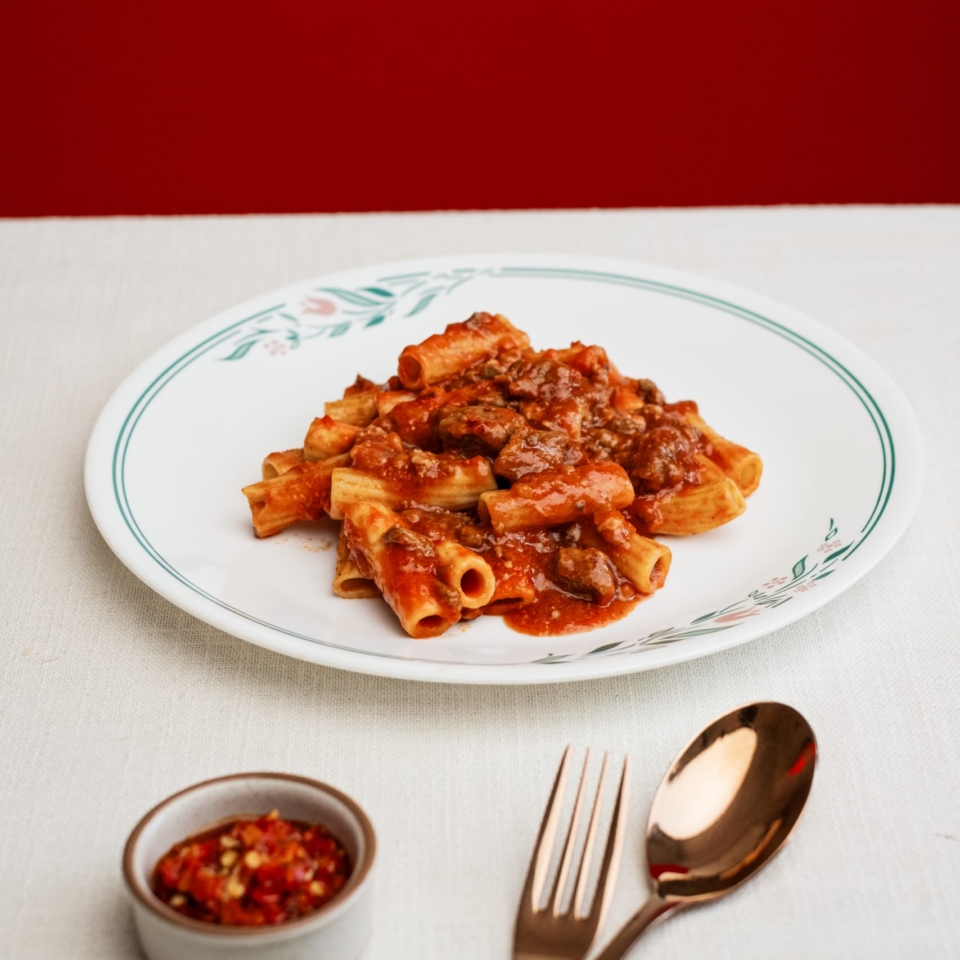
<point>253,872</point>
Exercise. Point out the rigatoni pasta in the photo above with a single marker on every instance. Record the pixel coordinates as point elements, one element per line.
<point>300,493</point>
<point>489,478</point>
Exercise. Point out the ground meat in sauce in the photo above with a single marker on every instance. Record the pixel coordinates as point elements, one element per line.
<point>478,429</point>
<point>535,416</point>
<point>662,458</point>
<point>532,413</point>
<point>531,451</point>
<point>409,540</point>
<point>586,573</point>
<point>544,380</point>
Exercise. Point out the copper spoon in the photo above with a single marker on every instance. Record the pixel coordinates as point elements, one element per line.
<point>726,806</point>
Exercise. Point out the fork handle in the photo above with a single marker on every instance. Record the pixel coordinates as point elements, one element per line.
<point>630,932</point>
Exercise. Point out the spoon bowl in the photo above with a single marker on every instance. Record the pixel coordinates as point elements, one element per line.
<point>726,806</point>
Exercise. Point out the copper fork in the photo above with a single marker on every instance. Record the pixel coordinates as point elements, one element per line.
<point>551,932</point>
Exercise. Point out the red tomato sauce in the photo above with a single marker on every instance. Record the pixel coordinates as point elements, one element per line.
<point>555,613</point>
<point>253,873</point>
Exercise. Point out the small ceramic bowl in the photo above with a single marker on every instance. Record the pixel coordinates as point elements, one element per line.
<point>339,930</point>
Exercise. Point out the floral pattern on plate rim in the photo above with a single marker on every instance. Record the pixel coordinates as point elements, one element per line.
<point>284,329</point>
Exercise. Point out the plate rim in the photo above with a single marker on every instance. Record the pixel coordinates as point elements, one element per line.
<point>121,539</point>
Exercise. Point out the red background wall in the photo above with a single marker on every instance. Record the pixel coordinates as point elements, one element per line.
<point>200,106</point>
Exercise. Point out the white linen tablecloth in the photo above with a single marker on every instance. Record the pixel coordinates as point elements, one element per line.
<point>111,698</point>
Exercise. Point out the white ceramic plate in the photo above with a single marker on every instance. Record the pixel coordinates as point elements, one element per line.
<point>189,427</point>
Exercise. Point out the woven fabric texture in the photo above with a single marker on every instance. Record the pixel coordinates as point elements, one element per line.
<point>111,698</point>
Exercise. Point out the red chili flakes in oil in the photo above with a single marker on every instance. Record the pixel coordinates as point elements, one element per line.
<point>253,873</point>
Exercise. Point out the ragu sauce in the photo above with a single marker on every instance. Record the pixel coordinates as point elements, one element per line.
<point>535,597</point>
<point>551,467</point>
<point>253,872</point>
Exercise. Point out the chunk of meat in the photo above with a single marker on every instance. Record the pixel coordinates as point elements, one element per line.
<point>374,448</point>
<point>472,537</point>
<point>590,361</point>
<point>480,430</point>
<point>565,416</point>
<point>531,451</point>
<point>587,573</point>
<point>650,392</point>
<point>627,424</point>
<point>545,380</point>
<point>663,457</point>
<point>410,540</point>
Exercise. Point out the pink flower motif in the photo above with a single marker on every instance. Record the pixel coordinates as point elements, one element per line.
<point>276,348</point>
<point>737,615</point>
<point>804,587</point>
<point>830,547</point>
<point>318,305</point>
<point>775,582</point>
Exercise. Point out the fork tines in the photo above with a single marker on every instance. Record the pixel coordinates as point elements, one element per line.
<point>551,930</point>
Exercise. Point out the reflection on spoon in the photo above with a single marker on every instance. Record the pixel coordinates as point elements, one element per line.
<point>726,806</point>
<point>706,786</point>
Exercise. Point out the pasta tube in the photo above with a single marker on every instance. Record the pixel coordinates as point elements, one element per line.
<point>716,500</point>
<point>466,572</point>
<point>327,438</point>
<point>455,485</point>
<point>644,562</point>
<point>548,499</point>
<point>403,564</point>
<point>276,463</point>
<point>349,581</point>
<point>301,493</point>
<point>742,466</point>
<point>461,345</point>
<point>388,399</point>
<point>360,408</point>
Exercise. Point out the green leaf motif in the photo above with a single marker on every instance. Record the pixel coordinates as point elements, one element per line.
<point>820,576</point>
<point>703,631</point>
<point>837,553</point>
<point>799,567</point>
<point>604,648</point>
<point>351,296</point>
<point>379,292</point>
<point>422,304</point>
<point>339,330</point>
<point>242,350</point>
<point>706,616</point>
<point>373,321</point>
<point>771,602</point>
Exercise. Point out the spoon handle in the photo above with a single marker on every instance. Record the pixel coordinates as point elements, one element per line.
<point>630,932</point>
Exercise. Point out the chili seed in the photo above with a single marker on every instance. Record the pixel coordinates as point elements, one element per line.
<point>235,889</point>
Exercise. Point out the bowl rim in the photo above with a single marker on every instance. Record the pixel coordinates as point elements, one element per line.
<point>146,897</point>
